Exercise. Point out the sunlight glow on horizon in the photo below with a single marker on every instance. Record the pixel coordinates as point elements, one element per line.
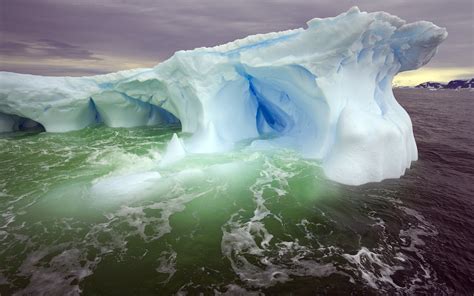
<point>425,74</point>
<point>71,67</point>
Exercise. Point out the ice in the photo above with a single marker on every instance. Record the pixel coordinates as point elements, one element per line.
<point>324,90</point>
<point>124,186</point>
<point>206,140</point>
<point>174,151</point>
<point>7,123</point>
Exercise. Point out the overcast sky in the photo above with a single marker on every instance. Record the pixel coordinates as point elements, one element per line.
<point>83,37</point>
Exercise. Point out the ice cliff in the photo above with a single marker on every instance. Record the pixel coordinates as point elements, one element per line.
<point>325,91</point>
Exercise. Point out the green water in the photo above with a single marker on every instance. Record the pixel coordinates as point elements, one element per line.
<point>93,211</point>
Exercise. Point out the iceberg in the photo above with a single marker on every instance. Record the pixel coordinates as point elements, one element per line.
<point>324,91</point>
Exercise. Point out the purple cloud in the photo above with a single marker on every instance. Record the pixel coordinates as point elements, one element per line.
<point>45,48</point>
<point>154,30</point>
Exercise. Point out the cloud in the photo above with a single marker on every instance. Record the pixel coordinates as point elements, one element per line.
<point>45,48</point>
<point>153,30</point>
<point>56,66</point>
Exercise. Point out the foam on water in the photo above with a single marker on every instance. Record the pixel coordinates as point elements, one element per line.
<point>60,276</point>
<point>167,264</point>
<point>243,221</point>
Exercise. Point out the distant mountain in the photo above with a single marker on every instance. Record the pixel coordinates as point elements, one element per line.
<point>431,85</point>
<point>453,84</point>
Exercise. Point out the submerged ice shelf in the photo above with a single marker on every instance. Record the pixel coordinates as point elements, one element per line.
<point>325,91</point>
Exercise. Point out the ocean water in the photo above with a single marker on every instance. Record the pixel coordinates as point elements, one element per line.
<point>90,212</point>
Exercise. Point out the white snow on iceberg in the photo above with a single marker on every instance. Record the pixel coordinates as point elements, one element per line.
<point>325,91</point>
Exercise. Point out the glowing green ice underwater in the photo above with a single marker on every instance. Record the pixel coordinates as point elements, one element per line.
<point>92,211</point>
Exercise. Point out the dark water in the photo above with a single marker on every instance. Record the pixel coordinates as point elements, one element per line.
<point>441,184</point>
<point>90,212</point>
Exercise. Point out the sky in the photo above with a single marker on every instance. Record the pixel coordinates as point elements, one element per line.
<point>88,37</point>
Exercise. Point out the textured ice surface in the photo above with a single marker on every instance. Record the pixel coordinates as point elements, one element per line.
<point>325,91</point>
<point>174,151</point>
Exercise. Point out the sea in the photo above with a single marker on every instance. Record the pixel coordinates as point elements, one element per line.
<point>92,212</point>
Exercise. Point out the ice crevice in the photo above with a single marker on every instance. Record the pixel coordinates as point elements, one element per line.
<point>12,122</point>
<point>116,109</point>
<point>324,91</point>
